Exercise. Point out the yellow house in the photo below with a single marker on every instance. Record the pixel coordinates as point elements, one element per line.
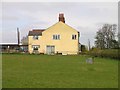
<point>57,39</point>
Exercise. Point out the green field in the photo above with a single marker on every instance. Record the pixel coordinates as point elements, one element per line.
<point>56,71</point>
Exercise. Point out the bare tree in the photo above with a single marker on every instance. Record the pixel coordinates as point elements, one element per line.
<point>105,37</point>
<point>119,39</point>
<point>100,40</point>
<point>24,40</point>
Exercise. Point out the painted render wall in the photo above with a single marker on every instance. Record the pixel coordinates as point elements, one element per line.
<point>65,45</point>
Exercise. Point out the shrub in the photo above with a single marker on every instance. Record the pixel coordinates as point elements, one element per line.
<point>109,53</point>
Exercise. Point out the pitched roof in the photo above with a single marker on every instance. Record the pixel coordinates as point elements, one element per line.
<point>37,32</point>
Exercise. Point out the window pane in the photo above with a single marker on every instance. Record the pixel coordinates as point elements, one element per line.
<point>72,36</point>
<point>58,36</point>
<point>53,36</point>
<point>75,37</point>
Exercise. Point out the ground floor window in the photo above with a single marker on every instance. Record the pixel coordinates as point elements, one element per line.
<point>35,47</point>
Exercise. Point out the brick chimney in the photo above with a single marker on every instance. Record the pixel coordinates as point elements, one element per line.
<point>61,17</point>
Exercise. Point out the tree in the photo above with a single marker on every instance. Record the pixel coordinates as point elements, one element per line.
<point>115,44</point>
<point>105,37</point>
<point>24,40</point>
<point>100,40</point>
<point>119,39</point>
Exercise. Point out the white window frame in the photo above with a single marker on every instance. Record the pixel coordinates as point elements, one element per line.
<point>56,37</point>
<point>35,46</point>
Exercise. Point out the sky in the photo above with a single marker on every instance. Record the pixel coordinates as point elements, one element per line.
<point>85,17</point>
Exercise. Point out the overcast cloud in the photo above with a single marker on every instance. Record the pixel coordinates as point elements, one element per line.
<point>86,17</point>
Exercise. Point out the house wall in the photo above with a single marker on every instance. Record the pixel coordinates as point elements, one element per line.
<point>65,45</point>
<point>32,41</point>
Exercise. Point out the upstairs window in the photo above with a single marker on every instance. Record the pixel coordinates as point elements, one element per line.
<point>56,37</point>
<point>74,37</point>
<point>35,37</point>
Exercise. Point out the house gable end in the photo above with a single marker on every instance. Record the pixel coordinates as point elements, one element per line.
<point>60,27</point>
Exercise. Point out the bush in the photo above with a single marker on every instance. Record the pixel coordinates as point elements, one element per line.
<point>109,53</point>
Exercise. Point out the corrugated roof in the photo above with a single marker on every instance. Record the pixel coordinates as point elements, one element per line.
<point>37,32</point>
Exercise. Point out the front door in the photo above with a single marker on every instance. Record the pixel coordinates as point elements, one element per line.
<point>50,49</point>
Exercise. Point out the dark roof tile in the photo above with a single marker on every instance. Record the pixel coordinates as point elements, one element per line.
<point>37,32</point>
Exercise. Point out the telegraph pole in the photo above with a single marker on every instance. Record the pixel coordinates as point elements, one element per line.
<point>18,37</point>
<point>88,44</point>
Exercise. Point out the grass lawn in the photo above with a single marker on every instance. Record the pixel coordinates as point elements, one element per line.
<point>44,71</point>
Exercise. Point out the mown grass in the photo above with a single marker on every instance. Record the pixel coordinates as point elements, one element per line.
<point>43,71</point>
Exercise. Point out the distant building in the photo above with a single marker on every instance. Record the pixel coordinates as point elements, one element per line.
<point>59,38</point>
<point>15,47</point>
<point>12,48</point>
<point>8,47</point>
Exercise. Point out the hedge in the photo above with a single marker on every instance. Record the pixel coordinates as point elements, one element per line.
<point>109,53</point>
